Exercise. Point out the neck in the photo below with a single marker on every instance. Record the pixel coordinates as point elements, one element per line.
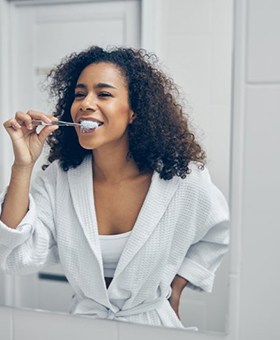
<point>113,166</point>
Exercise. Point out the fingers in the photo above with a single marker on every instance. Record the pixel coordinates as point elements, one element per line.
<point>14,123</point>
<point>22,119</point>
<point>21,125</point>
<point>27,141</point>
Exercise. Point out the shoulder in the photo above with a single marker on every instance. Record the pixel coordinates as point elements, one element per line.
<point>51,172</point>
<point>198,179</point>
<point>199,198</point>
<point>199,188</point>
<point>44,179</point>
<point>55,170</point>
<point>55,175</point>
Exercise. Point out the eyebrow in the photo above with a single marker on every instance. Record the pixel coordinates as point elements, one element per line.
<point>97,86</point>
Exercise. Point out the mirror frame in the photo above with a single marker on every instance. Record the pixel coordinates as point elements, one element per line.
<point>45,320</point>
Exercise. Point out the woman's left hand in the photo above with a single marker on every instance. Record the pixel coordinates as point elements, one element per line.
<point>177,285</point>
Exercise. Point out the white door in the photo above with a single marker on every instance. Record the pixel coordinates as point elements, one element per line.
<point>41,36</point>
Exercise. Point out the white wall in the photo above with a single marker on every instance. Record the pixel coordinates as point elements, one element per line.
<point>5,99</point>
<point>258,97</point>
<point>195,45</point>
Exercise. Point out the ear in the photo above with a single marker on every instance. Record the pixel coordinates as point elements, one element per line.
<point>132,117</point>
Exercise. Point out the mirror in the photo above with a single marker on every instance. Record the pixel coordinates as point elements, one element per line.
<point>193,40</point>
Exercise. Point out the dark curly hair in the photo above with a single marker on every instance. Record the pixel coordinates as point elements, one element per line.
<point>159,138</point>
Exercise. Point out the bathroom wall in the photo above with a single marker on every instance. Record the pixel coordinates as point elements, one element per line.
<point>257,97</point>
<point>195,46</point>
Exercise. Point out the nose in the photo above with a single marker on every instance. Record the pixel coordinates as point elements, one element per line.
<point>88,103</point>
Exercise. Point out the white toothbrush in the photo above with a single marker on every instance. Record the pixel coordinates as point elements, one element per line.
<point>85,124</point>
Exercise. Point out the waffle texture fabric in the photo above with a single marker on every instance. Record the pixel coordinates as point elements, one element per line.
<point>182,228</point>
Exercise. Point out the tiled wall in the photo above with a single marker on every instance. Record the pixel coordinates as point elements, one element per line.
<point>260,233</point>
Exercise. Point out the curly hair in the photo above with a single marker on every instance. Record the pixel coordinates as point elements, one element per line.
<point>159,138</point>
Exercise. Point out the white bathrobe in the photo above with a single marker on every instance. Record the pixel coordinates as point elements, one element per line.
<point>182,228</point>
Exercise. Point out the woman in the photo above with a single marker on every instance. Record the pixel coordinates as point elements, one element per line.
<point>128,208</point>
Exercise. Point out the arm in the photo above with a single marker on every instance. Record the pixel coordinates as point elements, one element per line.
<point>16,201</point>
<point>27,146</point>
<point>200,264</point>
<point>211,241</point>
<point>210,220</point>
<point>177,285</point>
<point>32,244</point>
<point>204,258</point>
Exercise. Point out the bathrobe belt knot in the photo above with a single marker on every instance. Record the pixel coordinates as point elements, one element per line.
<point>90,307</point>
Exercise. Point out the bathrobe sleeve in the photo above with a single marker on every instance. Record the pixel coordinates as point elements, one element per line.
<point>32,245</point>
<point>212,236</point>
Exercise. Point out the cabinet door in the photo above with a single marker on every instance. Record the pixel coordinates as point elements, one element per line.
<point>41,36</point>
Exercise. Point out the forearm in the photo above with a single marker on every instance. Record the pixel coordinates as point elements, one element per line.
<point>16,201</point>
<point>178,284</point>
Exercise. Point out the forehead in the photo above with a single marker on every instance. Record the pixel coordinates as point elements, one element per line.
<point>102,72</point>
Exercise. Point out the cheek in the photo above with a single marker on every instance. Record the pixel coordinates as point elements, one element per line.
<point>72,110</point>
<point>124,110</point>
<point>118,113</point>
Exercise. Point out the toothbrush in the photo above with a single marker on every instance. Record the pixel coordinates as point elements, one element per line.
<point>85,124</point>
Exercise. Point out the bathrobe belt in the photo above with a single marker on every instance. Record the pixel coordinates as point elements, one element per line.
<point>90,307</point>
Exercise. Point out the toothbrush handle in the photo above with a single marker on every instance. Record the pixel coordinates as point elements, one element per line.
<point>38,122</point>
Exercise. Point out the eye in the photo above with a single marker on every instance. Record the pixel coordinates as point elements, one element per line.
<point>104,94</point>
<point>79,95</point>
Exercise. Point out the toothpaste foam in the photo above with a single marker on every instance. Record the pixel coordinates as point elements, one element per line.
<point>88,124</point>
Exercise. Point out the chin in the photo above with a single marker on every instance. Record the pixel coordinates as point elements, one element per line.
<point>87,147</point>
<point>87,144</point>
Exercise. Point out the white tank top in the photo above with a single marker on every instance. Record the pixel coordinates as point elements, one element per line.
<point>111,249</point>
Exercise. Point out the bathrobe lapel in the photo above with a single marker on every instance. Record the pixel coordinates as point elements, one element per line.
<point>81,188</point>
<point>155,205</point>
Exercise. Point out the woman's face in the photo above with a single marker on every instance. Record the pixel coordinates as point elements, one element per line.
<point>101,95</point>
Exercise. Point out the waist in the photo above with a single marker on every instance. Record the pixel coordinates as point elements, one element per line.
<point>90,307</point>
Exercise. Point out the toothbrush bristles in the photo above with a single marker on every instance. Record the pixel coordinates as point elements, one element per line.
<point>88,124</point>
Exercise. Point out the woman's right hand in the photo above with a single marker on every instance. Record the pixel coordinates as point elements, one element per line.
<point>27,143</point>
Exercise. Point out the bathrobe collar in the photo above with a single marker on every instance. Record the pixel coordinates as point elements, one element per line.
<point>158,197</point>
<point>154,206</point>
